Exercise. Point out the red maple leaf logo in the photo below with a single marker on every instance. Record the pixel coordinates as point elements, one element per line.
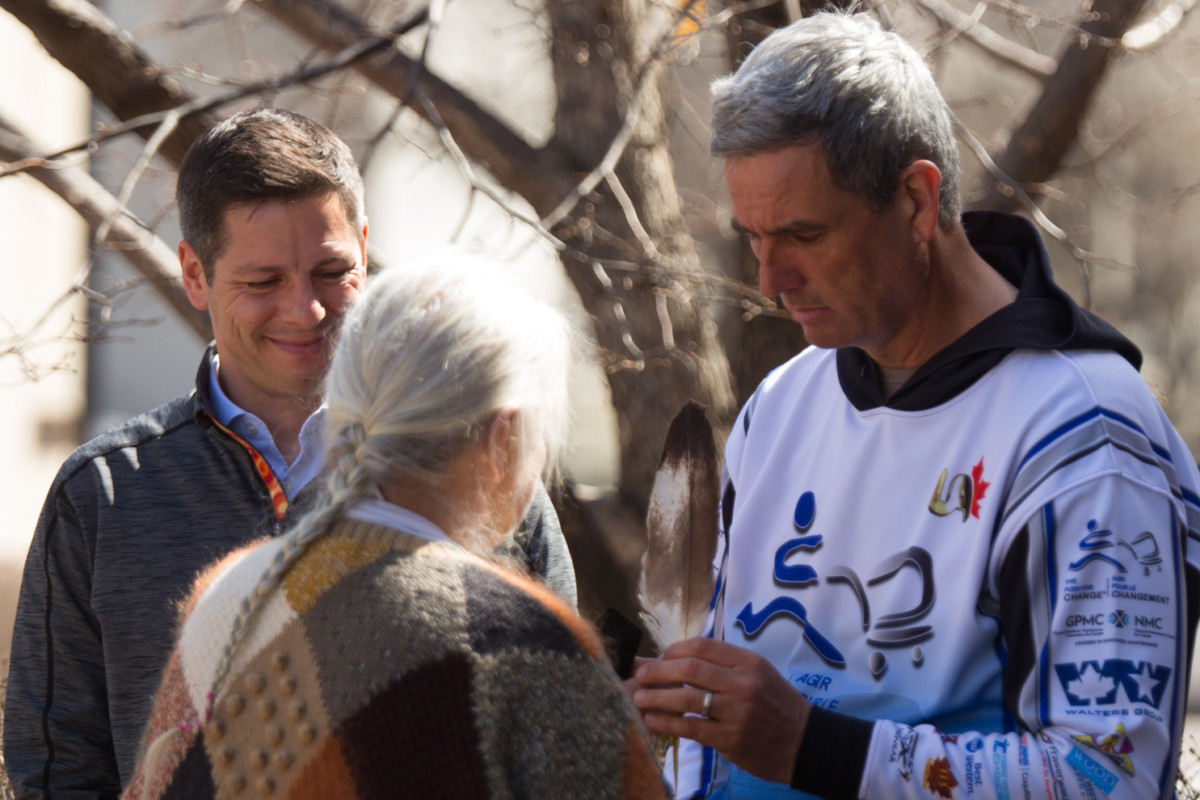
<point>939,779</point>
<point>980,487</point>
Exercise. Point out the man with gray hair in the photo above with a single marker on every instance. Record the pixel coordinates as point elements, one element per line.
<point>958,531</point>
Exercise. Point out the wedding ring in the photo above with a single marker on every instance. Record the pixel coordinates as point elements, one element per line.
<point>706,706</point>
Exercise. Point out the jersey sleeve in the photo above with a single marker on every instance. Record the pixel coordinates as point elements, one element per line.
<point>1090,591</point>
<point>57,734</point>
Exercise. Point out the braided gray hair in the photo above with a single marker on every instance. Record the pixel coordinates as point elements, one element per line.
<point>424,361</point>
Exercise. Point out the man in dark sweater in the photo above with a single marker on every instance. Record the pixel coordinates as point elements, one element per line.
<point>271,206</point>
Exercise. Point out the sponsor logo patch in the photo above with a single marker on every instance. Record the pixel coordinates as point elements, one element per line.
<point>1095,683</point>
<point>904,743</point>
<point>1000,768</point>
<point>1088,626</point>
<point>1116,745</point>
<point>961,494</point>
<point>1093,770</point>
<point>1101,544</point>
<point>939,779</point>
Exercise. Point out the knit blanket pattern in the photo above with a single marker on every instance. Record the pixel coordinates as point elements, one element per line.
<point>388,666</point>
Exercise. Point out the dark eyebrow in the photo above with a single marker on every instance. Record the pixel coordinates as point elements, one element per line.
<point>795,227</point>
<point>253,269</point>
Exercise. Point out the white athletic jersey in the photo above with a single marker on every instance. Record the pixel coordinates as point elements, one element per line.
<point>1006,599</point>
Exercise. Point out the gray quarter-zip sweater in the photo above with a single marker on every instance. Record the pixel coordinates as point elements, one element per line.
<point>131,518</point>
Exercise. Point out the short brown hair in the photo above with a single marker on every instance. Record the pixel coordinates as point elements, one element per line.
<point>262,155</point>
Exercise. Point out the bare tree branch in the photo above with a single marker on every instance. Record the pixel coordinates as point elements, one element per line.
<point>1038,145</point>
<point>88,43</point>
<point>1169,108</point>
<point>1083,257</point>
<point>149,255</point>
<point>104,43</point>
<point>541,176</point>
<point>1153,31</point>
<point>604,170</point>
<point>134,177</point>
<point>150,124</point>
<point>999,47</point>
<point>1032,16</point>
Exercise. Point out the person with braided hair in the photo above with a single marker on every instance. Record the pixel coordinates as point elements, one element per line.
<point>377,648</point>
<point>274,248</point>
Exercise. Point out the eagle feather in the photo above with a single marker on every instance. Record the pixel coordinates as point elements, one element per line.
<point>676,583</point>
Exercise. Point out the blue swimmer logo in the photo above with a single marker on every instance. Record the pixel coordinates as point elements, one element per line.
<point>1101,544</point>
<point>887,631</point>
<point>794,575</point>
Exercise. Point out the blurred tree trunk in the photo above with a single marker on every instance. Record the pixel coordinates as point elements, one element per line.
<point>601,52</point>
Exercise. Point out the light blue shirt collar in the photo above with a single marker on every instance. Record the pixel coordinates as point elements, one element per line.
<point>292,477</point>
<point>381,512</point>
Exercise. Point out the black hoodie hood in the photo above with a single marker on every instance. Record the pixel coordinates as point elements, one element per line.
<point>1043,317</point>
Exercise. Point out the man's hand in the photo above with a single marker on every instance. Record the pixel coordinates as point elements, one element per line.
<point>756,719</point>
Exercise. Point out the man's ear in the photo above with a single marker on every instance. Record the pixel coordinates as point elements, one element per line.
<point>363,244</point>
<point>921,183</point>
<point>194,280</point>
